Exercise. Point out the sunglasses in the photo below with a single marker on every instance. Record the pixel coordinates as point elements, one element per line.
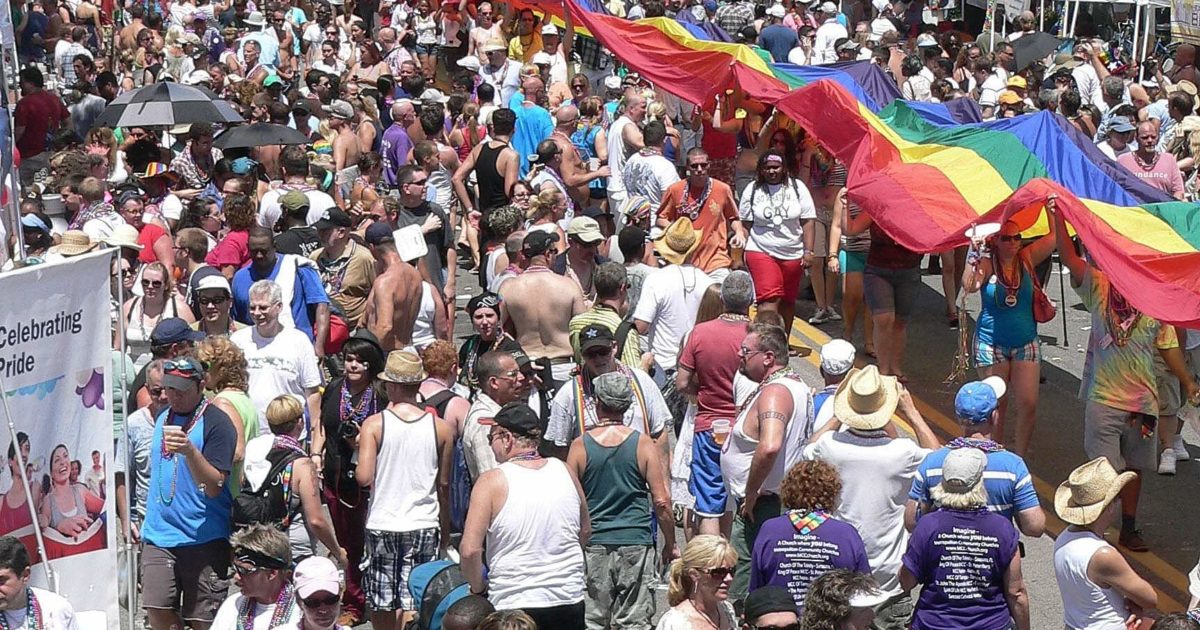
<point>495,435</point>
<point>318,602</point>
<point>719,573</point>
<point>127,272</point>
<point>213,301</point>
<point>578,86</point>
<point>418,182</point>
<point>152,284</point>
<point>155,392</point>
<point>699,166</point>
<point>790,626</point>
<point>597,353</point>
<point>243,570</point>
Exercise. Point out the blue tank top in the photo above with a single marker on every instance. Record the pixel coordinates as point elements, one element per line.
<point>584,140</point>
<point>177,512</point>
<point>1002,325</point>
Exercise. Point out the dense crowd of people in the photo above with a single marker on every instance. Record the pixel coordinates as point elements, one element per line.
<point>305,438</point>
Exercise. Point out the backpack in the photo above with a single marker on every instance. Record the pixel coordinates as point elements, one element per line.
<point>269,503</point>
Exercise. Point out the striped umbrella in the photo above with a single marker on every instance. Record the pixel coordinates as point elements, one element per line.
<point>165,104</point>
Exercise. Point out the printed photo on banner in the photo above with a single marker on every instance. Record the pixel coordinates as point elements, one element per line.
<point>55,357</point>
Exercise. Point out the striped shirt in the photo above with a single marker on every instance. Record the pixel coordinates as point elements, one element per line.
<point>1009,485</point>
<point>601,315</point>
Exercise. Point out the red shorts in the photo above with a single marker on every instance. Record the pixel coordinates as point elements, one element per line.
<point>774,279</point>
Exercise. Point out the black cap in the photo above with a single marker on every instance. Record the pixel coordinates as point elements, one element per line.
<point>518,418</point>
<point>335,217</point>
<point>173,330</point>
<point>766,600</point>
<point>595,336</point>
<point>301,106</point>
<point>379,233</point>
<point>538,242</point>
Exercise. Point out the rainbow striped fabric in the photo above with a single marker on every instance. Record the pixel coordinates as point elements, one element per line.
<point>923,175</point>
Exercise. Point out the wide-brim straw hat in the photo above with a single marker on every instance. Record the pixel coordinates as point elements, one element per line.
<point>1082,498</point>
<point>678,241</point>
<point>124,236</point>
<point>402,367</point>
<point>866,399</point>
<point>74,243</point>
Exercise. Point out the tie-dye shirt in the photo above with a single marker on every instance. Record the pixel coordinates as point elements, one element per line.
<point>1121,377</point>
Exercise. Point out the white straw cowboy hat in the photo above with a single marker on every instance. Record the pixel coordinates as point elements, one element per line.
<point>678,241</point>
<point>866,399</point>
<point>1082,498</point>
<point>124,235</point>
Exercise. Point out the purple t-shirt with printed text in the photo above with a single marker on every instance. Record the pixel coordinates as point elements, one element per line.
<point>960,558</point>
<point>785,557</point>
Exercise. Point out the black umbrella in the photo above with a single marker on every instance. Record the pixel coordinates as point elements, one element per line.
<point>164,104</point>
<point>259,134</point>
<point>1032,48</point>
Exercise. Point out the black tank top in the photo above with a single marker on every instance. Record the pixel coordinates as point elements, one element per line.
<point>491,181</point>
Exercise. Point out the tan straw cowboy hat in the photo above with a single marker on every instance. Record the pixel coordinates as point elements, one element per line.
<point>1081,499</point>
<point>402,367</point>
<point>866,399</point>
<point>678,241</point>
<point>74,243</point>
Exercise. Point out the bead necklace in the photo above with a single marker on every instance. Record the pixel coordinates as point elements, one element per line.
<point>168,456</point>
<point>1010,289</point>
<point>733,317</point>
<point>538,269</point>
<point>525,457</point>
<point>1138,158</point>
<point>349,411</point>
<point>1120,317</point>
<point>779,374</point>
<point>283,609</point>
<point>33,613</point>
<point>693,210</point>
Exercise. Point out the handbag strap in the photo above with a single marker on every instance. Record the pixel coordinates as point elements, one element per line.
<point>1028,266</point>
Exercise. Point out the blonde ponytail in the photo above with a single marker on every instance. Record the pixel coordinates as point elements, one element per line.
<point>678,585</point>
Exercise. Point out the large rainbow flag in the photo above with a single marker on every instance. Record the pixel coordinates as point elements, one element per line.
<point>923,175</point>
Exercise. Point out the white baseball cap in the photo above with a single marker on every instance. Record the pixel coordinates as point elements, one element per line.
<point>837,357</point>
<point>776,11</point>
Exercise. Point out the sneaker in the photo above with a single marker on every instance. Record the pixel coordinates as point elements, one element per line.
<point>1166,462</point>
<point>1181,452</point>
<point>834,316</point>
<point>820,317</point>
<point>1132,540</point>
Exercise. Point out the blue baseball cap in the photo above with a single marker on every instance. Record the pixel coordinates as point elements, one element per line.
<point>976,400</point>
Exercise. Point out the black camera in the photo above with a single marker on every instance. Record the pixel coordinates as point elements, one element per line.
<point>349,430</point>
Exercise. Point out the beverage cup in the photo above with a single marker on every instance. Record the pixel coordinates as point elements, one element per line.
<point>720,429</point>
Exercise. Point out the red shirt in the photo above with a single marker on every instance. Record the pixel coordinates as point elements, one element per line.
<point>711,352</point>
<point>147,237</point>
<point>37,112</point>
<point>234,250</point>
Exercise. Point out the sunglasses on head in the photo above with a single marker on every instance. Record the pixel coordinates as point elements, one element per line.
<point>317,602</point>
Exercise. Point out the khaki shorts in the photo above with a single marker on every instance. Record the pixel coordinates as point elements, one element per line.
<point>191,580</point>
<point>1170,397</point>
<point>1117,436</point>
<point>820,237</point>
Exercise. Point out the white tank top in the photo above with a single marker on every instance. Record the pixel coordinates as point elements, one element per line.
<point>617,154</point>
<point>404,497</point>
<point>739,448</point>
<point>1085,605</point>
<point>534,557</point>
<point>422,334</point>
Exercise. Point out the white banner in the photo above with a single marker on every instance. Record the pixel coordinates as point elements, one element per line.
<point>55,366</point>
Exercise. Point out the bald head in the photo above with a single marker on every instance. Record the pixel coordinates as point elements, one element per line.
<point>532,84</point>
<point>566,115</point>
<point>1185,55</point>
<point>387,36</point>
<point>402,110</point>
<point>1138,95</point>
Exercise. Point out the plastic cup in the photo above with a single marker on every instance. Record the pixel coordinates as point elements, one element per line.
<point>720,429</point>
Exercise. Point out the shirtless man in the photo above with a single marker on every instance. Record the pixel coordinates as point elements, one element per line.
<point>487,28</point>
<point>127,37</point>
<point>396,295</point>
<point>345,148</point>
<point>539,304</point>
<point>574,172</point>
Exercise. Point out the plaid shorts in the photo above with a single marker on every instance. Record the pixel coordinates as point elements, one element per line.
<point>988,354</point>
<point>388,561</point>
